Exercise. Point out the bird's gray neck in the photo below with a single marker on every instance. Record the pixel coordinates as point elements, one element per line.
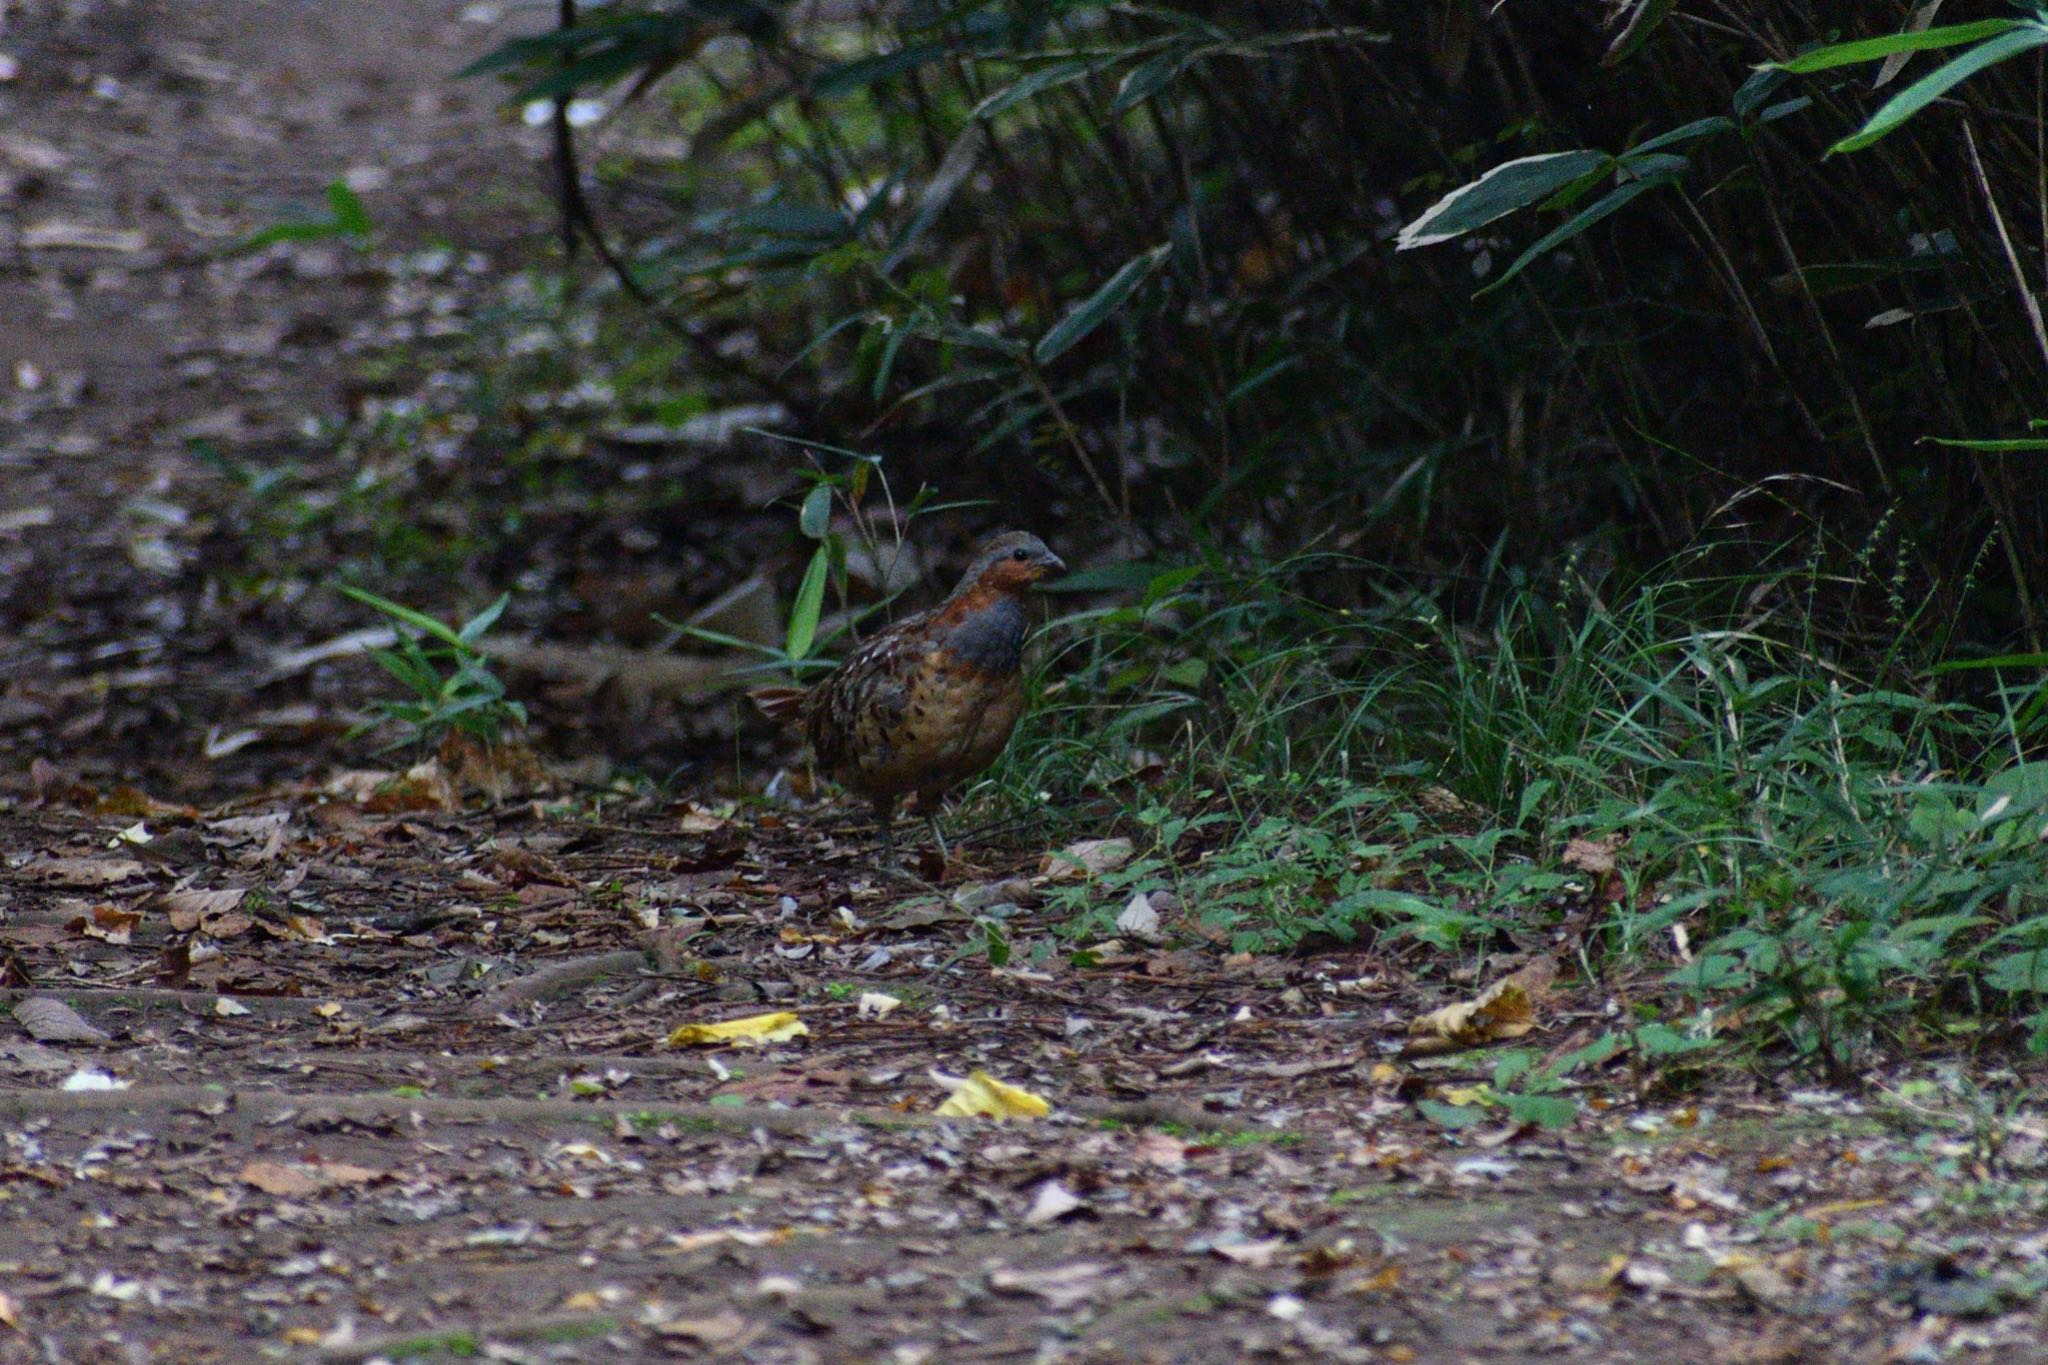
<point>991,639</point>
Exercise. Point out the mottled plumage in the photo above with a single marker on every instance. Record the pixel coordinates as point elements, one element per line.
<point>929,702</point>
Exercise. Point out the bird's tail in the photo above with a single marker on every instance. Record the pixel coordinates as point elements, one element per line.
<point>779,703</point>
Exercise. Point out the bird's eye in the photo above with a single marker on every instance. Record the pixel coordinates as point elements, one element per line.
<point>1020,553</point>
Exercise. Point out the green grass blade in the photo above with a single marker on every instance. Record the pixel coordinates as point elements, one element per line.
<point>1873,49</point>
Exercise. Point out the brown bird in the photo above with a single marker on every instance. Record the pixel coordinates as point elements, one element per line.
<point>929,702</point>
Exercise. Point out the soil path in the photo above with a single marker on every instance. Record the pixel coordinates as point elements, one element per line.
<point>304,1072</point>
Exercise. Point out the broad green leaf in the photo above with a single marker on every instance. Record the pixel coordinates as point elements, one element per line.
<point>2020,973</point>
<point>1098,307</point>
<point>1546,1111</point>
<point>1871,49</point>
<point>1616,199</point>
<point>809,605</point>
<point>817,512</point>
<point>1510,186</point>
<point>1934,85</point>
<point>1451,1115</point>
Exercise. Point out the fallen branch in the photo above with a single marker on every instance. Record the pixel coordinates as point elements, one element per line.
<point>146,997</point>
<point>468,1341</point>
<point>270,1106</point>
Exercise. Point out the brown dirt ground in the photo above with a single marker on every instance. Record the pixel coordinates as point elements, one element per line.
<point>396,1078</point>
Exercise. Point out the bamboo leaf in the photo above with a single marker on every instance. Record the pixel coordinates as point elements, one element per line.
<point>1613,201</point>
<point>1870,49</point>
<point>1097,307</point>
<point>809,605</point>
<point>1510,186</point>
<point>1036,83</point>
<point>1934,85</point>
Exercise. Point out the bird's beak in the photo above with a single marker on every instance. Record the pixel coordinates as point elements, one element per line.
<point>1053,563</point>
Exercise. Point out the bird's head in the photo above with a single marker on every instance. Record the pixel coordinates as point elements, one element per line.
<point>1011,562</point>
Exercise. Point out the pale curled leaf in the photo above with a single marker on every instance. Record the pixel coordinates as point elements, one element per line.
<point>1088,858</point>
<point>981,1095</point>
<point>754,1031</point>
<point>1061,1287</point>
<point>875,1004</point>
<point>1140,920</point>
<point>1053,1202</point>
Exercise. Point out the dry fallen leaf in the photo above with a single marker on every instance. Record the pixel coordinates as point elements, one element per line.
<point>720,1329</point>
<point>1506,1009</point>
<point>1053,1202</point>
<point>108,924</point>
<point>1062,1287</point>
<point>983,1096</point>
<point>1140,920</point>
<point>1591,855</point>
<point>874,1004</point>
<point>187,908</point>
<point>753,1031</point>
<point>1088,858</point>
<point>82,872</point>
<point>284,1181</point>
<point>49,1020</point>
<point>1256,1255</point>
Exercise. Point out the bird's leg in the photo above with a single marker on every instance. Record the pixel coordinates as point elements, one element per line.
<point>885,816</point>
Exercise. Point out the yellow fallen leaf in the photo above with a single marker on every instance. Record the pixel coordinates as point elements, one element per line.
<point>10,1314</point>
<point>753,1031</point>
<point>1506,1009</point>
<point>983,1096</point>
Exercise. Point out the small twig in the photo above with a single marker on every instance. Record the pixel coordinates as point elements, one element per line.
<point>1072,436</point>
<point>2012,257</point>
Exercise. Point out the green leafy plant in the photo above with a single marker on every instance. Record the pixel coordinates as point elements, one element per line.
<point>447,673</point>
<point>808,632</point>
